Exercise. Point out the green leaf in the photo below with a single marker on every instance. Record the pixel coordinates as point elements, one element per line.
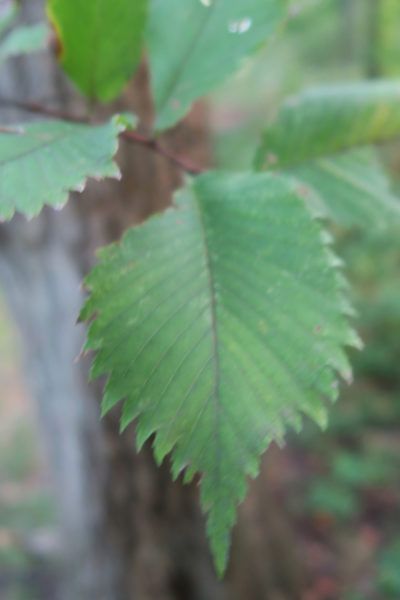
<point>29,38</point>
<point>195,44</point>
<point>351,188</point>
<point>220,322</point>
<point>101,42</point>
<point>312,138</point>
<point>331,119</point>
<point>40,163</point>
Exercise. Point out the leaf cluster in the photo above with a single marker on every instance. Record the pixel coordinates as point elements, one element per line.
<point>221,322</point>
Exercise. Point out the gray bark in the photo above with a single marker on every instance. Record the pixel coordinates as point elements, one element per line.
<point>42,283</point>
<point>42,286</point>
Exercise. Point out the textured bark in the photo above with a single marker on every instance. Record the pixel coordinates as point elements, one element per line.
<point>41,277</point>
<point>129,533</point>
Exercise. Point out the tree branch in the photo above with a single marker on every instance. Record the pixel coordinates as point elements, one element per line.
<point>129,135</point>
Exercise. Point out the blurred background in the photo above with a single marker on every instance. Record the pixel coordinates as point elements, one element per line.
<point>323,520</point>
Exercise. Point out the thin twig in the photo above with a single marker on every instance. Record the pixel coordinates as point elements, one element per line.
<point>40,109</point>
<point>128,135</point>
<point>153,144</point>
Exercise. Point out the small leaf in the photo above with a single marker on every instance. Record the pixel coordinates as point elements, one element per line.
<point>195,44</point>
<point>41,162</point>
<point>23,40</point>
<point>331,119</point>
<point>351,188</point>
<point>219,323</point>
<point>101,42</point>
<point>313,137</point>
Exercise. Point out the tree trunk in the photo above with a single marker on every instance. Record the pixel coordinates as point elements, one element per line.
<point>129,533</point>
<point>373,39</point>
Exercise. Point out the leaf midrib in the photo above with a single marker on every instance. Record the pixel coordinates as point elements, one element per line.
<point>214,332</point>
<point>186,57</point>
<point>328,166</point>
<point>37,148</point>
